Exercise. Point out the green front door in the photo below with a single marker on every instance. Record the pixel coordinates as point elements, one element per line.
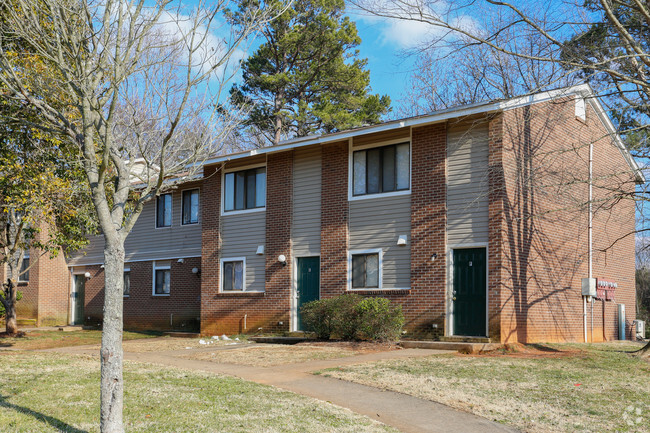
<point>308,287</point>
<point>78,299</point>
<point>469,292</point>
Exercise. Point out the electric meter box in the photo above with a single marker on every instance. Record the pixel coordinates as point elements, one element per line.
<point>589,287</point>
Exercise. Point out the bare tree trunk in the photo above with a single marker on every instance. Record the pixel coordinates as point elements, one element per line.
<point>112,383</point>
<point>9,302</point>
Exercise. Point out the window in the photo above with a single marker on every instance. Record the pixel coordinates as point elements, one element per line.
<point>191,207</point>
<point>161,278</point>
<point>381,169</point>
<point>366,269</point>
<point>164,210</point>
<point>23,273</point>
<point>233,273</point>
<point>127,282</point>
<point>245,189</point>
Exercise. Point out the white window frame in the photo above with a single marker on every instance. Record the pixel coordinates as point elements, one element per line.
<point>158,266</point>
<point>155,219</point>
<point>243,283</point>
<point>352,149</point>
<point>198,217</point>
<point>128,269</point>
<point>20,277</point>
<point>380,253</point>
<point>224,212</point>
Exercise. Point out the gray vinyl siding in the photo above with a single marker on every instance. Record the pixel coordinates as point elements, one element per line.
<point>146,242</point>
<point>241,235</point>
<point>467,187</point>
<point>377,223</point>
<point>306,225</point>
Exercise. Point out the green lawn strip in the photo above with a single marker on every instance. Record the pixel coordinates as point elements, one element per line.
<point>34,340</point>
<point>55,393</point>
<point>598,389</point>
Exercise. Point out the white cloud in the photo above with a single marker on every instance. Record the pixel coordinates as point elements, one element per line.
<point>405,28</point>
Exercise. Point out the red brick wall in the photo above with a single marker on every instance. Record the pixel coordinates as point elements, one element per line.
<point>496,226</point>
<point>144,311</point>
<point>248,312</point>
<point>210,245</point>
<point>425,305</point>
<point>544,231</point>
<point>335,213</point>
<point>53,282</point>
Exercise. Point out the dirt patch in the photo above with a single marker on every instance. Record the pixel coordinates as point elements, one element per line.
<point>530,351</point>
<point>268,355</point>
<point>164,344</point>
<point>356,346</point>
<point>19,334</point>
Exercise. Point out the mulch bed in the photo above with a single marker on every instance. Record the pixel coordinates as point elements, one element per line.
<point>358,346</point>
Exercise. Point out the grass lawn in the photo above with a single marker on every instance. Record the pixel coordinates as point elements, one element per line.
<point>60,393</point>
<point>560,388</point>
<point>34,340</point>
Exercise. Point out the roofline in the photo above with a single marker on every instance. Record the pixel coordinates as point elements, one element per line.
<point>584,90</point>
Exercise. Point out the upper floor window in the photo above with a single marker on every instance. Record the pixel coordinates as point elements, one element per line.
<point>381,169</point>
<point>164,210</point>
<point>245,189</point>
<point>190,206</point>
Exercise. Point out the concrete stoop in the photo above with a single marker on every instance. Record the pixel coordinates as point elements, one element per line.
<point>460,346</point>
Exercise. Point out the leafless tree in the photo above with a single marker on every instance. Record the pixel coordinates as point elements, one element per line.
<point>144,81</point>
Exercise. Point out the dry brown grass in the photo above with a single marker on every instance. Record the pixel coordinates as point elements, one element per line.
<point>164,344</point>
<point>272,354</point>
<point>571,388</point>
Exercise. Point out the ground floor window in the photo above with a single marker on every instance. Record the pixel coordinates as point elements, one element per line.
<point>127,282</point>
<point>233,273</point>
<point>365,269</point>
<point>23,273</point>
<point>161,278</point>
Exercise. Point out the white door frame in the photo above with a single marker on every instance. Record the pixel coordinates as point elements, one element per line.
<point>294,290</point>
<point>73,289</point>
<point>449,331</point>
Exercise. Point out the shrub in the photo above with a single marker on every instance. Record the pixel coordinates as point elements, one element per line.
<point>379,320</point>
<point>19,296</point>
<point>317,317</point>
<point>351,317</point>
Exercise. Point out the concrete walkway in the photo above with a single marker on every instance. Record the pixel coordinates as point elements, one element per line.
<point>404,412</point>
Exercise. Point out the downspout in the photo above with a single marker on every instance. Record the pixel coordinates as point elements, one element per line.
<point>589,240</point>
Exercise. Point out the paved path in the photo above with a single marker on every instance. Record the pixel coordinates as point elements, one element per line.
<point>404,412</point>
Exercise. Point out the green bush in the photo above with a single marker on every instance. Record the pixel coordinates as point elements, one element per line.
<point>352,317</point>
<point>317,317</point>
<point>379,320</point>
<point>19,296</point>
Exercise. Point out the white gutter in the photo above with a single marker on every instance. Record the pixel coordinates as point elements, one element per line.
<point>584,90</point>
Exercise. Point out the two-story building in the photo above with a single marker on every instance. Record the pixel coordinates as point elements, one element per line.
<point>475,219</point>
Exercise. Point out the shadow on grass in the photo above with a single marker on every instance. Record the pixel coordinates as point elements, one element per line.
<point>54,422</point>
<point>543,348</point>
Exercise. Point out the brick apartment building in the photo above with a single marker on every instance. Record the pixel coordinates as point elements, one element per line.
<point>474,219</point>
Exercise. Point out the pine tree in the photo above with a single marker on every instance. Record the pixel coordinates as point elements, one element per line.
<point>306,76</point>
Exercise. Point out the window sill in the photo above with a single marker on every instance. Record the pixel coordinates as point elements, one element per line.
<point>241,212</point>
<point>238,294</point>
<point>160,294</point>
<point>404,291</point>
<point>378,195</point>
<point>22,283</point>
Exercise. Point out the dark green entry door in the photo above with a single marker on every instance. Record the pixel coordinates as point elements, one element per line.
<point>469,292</point>
<point>308,286</point>
<point>78,298</point>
